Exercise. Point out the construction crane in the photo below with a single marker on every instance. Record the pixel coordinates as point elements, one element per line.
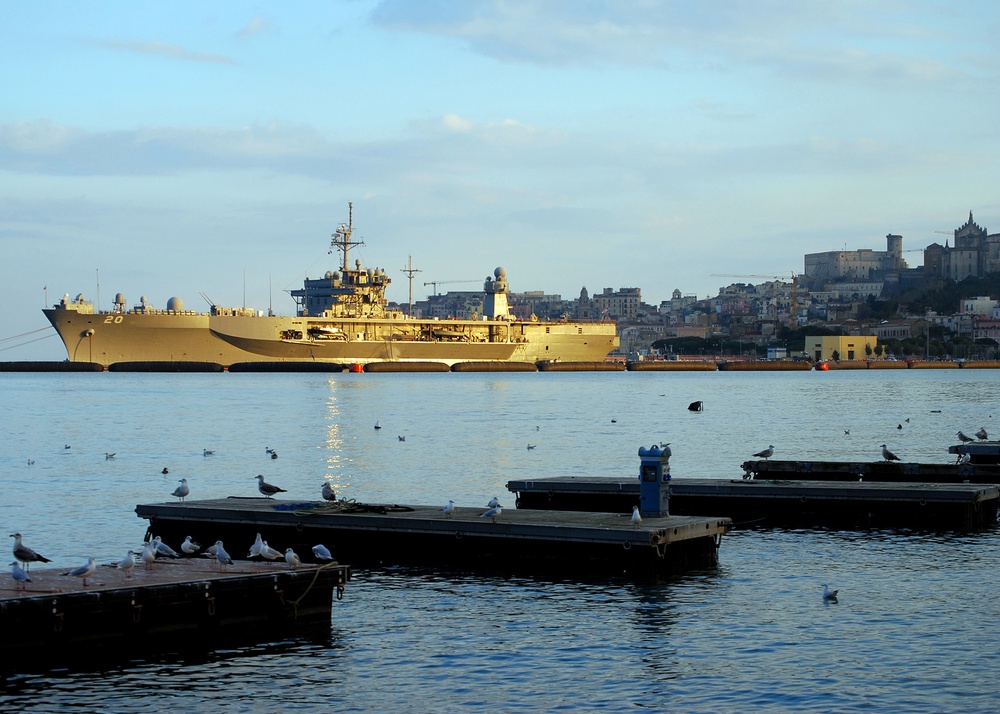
<point>793,319</point>
<point>435,283</point>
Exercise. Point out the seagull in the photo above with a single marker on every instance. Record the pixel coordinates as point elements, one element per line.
<point>84,571</point>
<point>531,446</point>
<point>963,438</point>
<point>268,450</point>
<point>67,446</point>
<point>964,459</point>
<point>108,456</point>
<point>162,548</point>
<point>982,435</point>
<point>766,453</point>
<point>165,471</point>
<point>127,563</point>
<point>20,577</point>
<point>267,489</point>
<point>25,554</point>
<point>401,437</point>
<point>183,490</point>
<point>189,546</point>
<point>206,452</point>
<point>494,502</point>
<point>492,513</point>
<point>210,551</point>
<point>291,558</point>
<point>148,555</point>
<point>829,594</point>
<point>614,421</point>
<point>888,455</point>
<point>321,552</point>
<point>221,555</point>
<point>31,462</point>
<point>847,432</point>
<point>449,509</point>
<point>328,493</point>
<point>636,518</point>
<point>899,426</point>
<point>255,548</point>
<point>269,552</point>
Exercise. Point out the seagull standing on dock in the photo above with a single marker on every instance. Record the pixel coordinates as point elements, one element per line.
<point>964,438</point>
<point>964,459</point>
<point>494,502</point>
<point>982,435</point>
<point>183,490</point>
<point>255,548</point>
<point>267,489</point>
<point>448,509</point>
<point>162,548</point>
<point>189,546</point>
<point>127,563</point>
<point>148,555</point>
<point>269,552</point>
<point>291,558</point>
<point>636,518</point>
<point>25,554</point>
<point>888,455</point>
<point>84,571</point>
<point>829,594</point>
<point>493,513</point>
<point>328,493</point>
<point>20,577</point>
<point>766,453</point>
<point>221,556</point>
<point>321,552</point>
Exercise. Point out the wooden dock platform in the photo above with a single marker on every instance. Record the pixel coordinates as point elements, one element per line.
<point>980,469</point>
<point>936,506</point>
<point>423,535</point>
<point>57,617</point>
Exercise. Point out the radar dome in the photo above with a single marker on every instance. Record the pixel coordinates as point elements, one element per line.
<point>119,299</point>
<point>175,304</point>
<point>500,273</point>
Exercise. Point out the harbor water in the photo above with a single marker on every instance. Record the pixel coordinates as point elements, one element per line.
<point>913,629</point>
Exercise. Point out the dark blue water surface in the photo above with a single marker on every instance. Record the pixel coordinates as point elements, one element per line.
<point>913,629</point>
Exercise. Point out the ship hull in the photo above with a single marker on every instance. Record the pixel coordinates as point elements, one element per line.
<point>109,338</point>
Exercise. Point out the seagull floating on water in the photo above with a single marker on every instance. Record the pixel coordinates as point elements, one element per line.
<point>829,594</point>
<point>448,509</point>
<point>888,455</point>
<point>321,552</point>
<point>766,453</point>
<point>531,446</point>
<point>401,437</point>
<point>25,554</point>
<point>493,513</point>
<point>31,462</point>
<point>292,558</point>
<point>19,575</point>
<point>165,471</point>
<point>964,438</point>
<point>84,571</point>
<point>206,452</point>
<point>267,489</point>
<point>636,518</point>
<point>109,456</point>
<point>982,435</point>
<point>328,493</point>
<point>189,546</point>
<point>183,490</point>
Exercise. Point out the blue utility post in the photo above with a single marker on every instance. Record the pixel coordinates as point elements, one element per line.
<point>654,481</point>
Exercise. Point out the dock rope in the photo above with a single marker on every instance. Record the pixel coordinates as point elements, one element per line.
<point>340,587</point>
<point>344,505</point>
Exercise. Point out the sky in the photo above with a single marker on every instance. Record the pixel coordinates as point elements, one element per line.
<point>190,148</point>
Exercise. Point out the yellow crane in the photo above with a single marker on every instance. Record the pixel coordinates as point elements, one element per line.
<point>793,317</point>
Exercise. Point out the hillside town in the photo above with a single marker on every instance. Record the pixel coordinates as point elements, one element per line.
<point>863,293</point>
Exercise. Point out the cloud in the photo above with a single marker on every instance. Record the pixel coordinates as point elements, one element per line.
<point>165,49</point>
<point>256,26</point>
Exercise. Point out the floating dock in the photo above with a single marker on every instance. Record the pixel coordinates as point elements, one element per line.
<point>422,535</point>
<point>982,468</point>
<point>57,617</point>
<point>934,506</point>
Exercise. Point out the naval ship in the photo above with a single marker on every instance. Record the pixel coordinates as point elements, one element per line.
<point>341,318</point>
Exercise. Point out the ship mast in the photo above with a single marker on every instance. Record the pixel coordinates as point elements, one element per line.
<point>341,239</point>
